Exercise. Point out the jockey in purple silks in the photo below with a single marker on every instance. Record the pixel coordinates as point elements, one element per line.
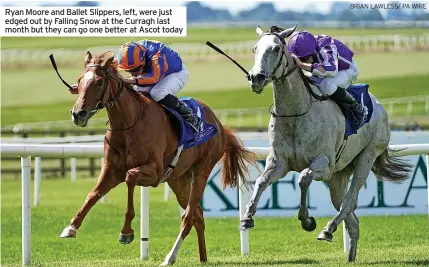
<point>331,65</point>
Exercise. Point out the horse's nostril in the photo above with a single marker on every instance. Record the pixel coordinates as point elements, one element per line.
<point>260,77</point>
<point>82,114</point>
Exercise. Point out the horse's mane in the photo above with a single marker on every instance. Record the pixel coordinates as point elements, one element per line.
<point>275,29</point>
<point>98,59</point>
<point>114,66</point>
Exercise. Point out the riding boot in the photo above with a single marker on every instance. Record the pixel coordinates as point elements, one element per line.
<point>173,102</point>
<point>347,101</point>
<point>357,108</point>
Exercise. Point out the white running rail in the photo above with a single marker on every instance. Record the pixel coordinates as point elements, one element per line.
<point>26,151</point>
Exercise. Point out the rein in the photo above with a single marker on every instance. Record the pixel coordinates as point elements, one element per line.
<point>285,75</point>
<point>282,77</point>
<point>100,105</point>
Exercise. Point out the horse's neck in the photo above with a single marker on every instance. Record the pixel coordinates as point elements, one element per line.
<point>126,110</point>
<point>290,95</point>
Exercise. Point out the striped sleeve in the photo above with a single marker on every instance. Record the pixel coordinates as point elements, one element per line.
<point>156,73</point>
<point>330,62</point>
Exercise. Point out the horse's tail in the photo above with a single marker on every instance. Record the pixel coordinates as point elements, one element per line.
<point>234,161</point>
<point>391,168</point>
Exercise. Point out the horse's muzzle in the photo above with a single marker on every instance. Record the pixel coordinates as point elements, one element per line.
<point>257,82</point>
<point>80,118</point>
<point>257,78</point>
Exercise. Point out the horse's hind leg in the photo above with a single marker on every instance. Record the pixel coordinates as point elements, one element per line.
<point>181,187</point>
<point>352,227</point>
<point>319,169</point>
<point>363,165</point>
<point>189,194</point>
<point>274,170</point>
<point>107,180</point>
<point>338,188</point>
<point>200,227</point>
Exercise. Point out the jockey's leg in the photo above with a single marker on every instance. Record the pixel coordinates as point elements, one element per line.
<point>336,87</point>
<point>165,93</point>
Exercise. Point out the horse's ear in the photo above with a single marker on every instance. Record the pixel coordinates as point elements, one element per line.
<point>259,31</point>
<point>88,58</point>
<point>288,32</point>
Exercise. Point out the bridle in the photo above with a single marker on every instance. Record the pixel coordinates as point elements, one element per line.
<point>100,105</point>
<point>279,63</point>
<point>285,75</point>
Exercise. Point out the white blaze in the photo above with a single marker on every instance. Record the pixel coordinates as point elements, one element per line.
<point>88,76</point>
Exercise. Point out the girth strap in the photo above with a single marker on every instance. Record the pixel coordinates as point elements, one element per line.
<point>172,164</point>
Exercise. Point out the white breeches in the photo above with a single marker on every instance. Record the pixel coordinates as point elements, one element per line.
<point>170,84</point>
<point>343,79</point>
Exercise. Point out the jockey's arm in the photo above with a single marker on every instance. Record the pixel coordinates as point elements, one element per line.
<point>156,73</point>
<point>309,67</point>
<point>329,66</point>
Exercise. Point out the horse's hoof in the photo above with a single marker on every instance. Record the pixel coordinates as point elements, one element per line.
<point>167,262</point>
<point>126,238</point>
<point>309,225</point>
<point>69,232</point>
<point>324,235</point>
<point>352,255</point>
<point>246,224</point>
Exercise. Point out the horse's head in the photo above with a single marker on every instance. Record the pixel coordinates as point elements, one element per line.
<point>93,87</point>
<point>271,54</point>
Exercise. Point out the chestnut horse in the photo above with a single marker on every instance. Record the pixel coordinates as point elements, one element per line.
<point>140,144</point>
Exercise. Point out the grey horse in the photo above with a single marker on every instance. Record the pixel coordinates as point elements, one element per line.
<point>307,135</point>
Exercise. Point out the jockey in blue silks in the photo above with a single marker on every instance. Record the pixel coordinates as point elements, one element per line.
<point>158,70</point>
<point>331,64</point>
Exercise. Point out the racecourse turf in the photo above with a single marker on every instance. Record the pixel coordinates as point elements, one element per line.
<point>194,35</point>
<point>384,240</point>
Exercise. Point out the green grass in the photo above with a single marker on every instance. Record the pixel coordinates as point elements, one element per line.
<point>199,35</point>
<point>384,240</point>
<point>241,98</point>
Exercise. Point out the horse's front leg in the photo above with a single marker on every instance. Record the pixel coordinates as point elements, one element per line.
<point>274,170</point>
<point>319,169</point>
<point>147,175</point>
<point>107,180</point>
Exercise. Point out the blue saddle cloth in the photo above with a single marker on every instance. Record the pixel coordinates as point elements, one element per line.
<point>187,137</point>
<point>360,92</point>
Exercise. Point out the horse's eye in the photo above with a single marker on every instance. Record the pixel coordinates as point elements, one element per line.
<point>254,49</point>
<point>99,83</point>
<point>276,49</point>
